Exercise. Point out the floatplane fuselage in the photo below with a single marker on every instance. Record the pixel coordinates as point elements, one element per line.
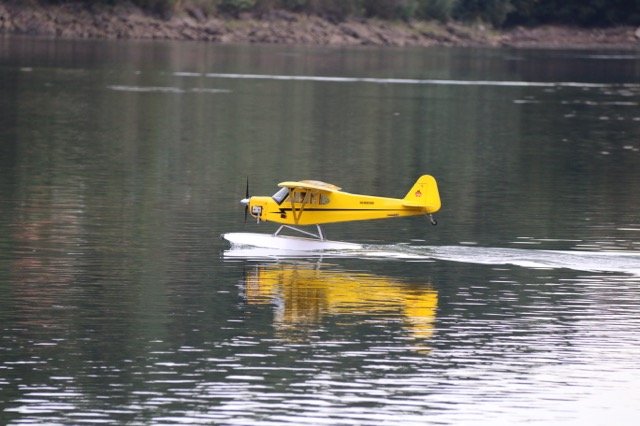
<point>315,203</point>
<point>311,202</point>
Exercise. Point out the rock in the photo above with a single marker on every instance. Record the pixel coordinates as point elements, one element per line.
<point>348,31</point>
<point>196,13</point>
<point>5,20</point>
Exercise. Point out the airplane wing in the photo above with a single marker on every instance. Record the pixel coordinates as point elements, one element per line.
<point>310,184</point>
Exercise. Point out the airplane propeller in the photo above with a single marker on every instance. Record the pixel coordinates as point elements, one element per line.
<point>245,201</point>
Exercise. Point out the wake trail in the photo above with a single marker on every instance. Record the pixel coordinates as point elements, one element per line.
<point>596,261</point>
<point>403,81</point>
<point>588,261</point>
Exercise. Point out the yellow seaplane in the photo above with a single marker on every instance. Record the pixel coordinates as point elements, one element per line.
<point>312,202</point>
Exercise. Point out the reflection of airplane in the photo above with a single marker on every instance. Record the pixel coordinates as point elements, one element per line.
<point>304,294</point>
<point>310,202</point>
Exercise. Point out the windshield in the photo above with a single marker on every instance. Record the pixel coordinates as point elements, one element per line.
<point>281,195</point>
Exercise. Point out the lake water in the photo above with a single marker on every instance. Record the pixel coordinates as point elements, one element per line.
<point>121,163</point>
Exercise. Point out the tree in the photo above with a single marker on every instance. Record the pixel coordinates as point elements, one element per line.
<point>491,11</point>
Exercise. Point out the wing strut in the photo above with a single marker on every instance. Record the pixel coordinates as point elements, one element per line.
<point>297,213</point>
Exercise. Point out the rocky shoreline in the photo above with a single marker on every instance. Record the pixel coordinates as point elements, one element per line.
<point>73,20</point>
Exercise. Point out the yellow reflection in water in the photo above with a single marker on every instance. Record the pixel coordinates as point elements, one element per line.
<point>304,294</point>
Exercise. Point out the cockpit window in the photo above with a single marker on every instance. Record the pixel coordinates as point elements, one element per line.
<point>281,195</point>
<point>299,196</point>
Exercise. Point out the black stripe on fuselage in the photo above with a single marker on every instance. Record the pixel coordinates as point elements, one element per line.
<point>338,210</point>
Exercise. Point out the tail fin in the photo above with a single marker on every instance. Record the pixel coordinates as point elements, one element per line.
<point>424,194</point>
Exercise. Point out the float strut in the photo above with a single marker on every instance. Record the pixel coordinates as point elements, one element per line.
<point>319,235</point>
<point>433,221</point>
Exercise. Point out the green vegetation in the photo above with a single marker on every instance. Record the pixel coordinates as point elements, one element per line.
<point>499,13</point>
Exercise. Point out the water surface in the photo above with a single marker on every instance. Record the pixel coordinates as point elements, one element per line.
<point>121,163</point>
